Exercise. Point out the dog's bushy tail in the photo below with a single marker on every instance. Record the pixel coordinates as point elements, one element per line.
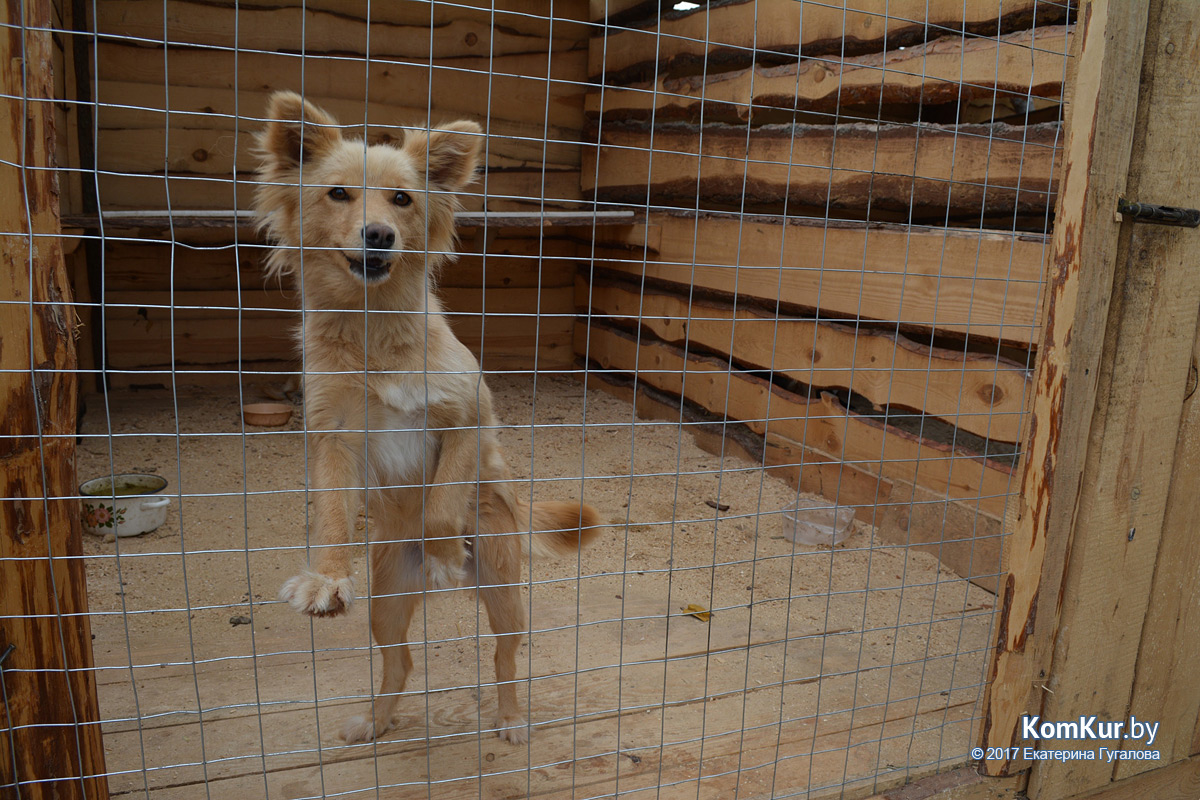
<point>559,528</point>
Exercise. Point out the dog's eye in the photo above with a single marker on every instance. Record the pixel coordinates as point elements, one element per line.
<point>401,199</point>
<point>339,194</point>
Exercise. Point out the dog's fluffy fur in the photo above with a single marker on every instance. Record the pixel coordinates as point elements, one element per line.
<point>393,400</point>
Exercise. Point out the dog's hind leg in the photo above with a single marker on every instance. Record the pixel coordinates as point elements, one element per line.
<point>499,558</point>
<point>395,596</point>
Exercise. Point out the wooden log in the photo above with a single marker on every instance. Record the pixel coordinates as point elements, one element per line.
<point>500,342</point>
<point>50,742</point>
<point>412,31</point>
<point>157,307</point>
<point>964,539</point>
<point>821,423</point>
<point>511,258</point>
<point>500,190</point>
<point>193,129</point>
<point>154,329</point>
<point>735,33</point>
<point>951,69</point>
<point>610,9</point>
<point>530,88</point>
<point>976,283</point>
<point>206,151</point>
<point>981,394</point>
<point>929,170</point>
<point>1144,371</point>
<point>1099,139</point>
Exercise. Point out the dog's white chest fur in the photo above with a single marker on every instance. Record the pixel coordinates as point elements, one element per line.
<point>400,448</point>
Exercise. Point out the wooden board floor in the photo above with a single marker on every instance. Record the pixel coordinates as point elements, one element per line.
<point>821,673</point>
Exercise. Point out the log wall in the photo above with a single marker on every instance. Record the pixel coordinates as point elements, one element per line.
<point>181,88</point>
<point>846,217</point>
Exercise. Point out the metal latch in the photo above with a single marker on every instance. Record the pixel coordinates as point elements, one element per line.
<point>1159,215</point>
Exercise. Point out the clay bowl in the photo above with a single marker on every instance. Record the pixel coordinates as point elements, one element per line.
<point>266,415</point>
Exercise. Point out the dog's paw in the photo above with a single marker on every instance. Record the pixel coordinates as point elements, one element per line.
<point>318,595</point>
<point>514,730</point>
<point>440,574</point>
<point>363,729</point>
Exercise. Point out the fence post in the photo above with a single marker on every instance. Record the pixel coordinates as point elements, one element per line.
<point>49,719</point>
<point>1109,41</point>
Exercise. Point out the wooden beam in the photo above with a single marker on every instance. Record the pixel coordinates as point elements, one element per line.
<point>951,69</point>
<point>820,422</point>
<point>1109,40</point>
<point>734,33</point>
<point>980,394</point>
<point>1142,383</point>
<point>979,283</point>
<point>925,170</point>
<point>50,742</point>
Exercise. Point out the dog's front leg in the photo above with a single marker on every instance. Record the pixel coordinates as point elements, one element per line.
<point>451,496</point>
<point>326,589</point>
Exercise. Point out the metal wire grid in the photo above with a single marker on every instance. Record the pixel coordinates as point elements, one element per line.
<point>672,526</point>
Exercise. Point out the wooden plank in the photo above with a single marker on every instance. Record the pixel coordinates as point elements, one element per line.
<point>1168,647</point>
<point>50,744</point>
<point>981,394</point>
<point>1177,781</point>
<point>1028,63</point>
<point>822,423</point>
<point>1099,133</point>
<point>966,540</point>
<point>961,784</point>
<point>1142,382</point>
<point>980,283</point>
<point>928,170</point>
<point>732,33</point>
<point>741,680</point>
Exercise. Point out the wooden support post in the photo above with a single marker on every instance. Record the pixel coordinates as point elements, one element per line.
<point>49,719</point>
<point>1108,48</point>
<point>1102,519</point>
<point>1131,450</point>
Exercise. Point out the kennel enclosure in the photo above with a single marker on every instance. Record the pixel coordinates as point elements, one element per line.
<point>843,250</point>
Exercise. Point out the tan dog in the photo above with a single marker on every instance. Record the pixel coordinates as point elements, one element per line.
<point>393,401</point>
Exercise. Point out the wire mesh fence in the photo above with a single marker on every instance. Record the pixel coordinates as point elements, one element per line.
<point>720,260</point>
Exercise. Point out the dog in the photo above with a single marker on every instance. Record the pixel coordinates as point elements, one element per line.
<point>397,408</point>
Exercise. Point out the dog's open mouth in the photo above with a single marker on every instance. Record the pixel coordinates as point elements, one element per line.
<point>369,266</point>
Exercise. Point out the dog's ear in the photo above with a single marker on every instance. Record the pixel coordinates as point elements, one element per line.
<point>453,151</point>
<point>298,130</point>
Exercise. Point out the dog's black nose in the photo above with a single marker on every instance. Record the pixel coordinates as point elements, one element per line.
<point>377,236</point>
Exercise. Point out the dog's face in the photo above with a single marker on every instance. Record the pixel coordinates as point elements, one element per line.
<point>361,213</point>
